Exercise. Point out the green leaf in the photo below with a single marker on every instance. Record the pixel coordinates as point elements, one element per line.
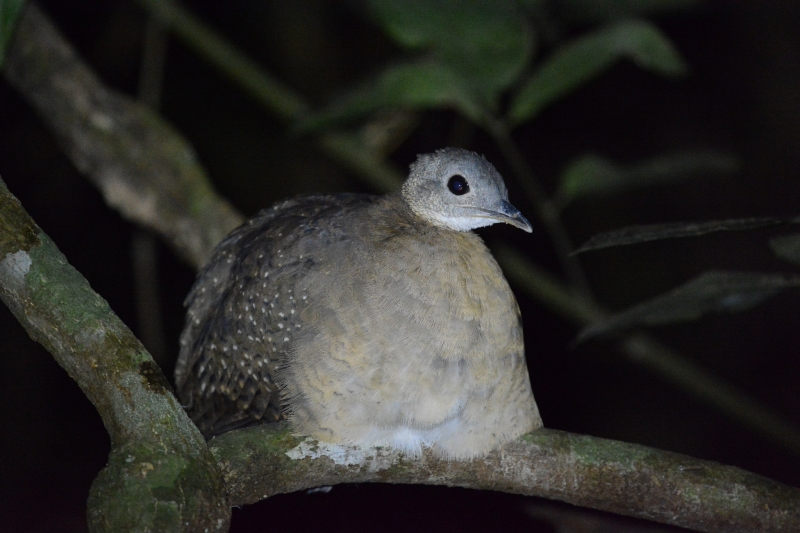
<point>586,58</point>
<point>593,174</point>
<point>787,247</point>
<point>9,13</point>
<point>594,11</point>
<point>486,42</point>
<point>711,292</point>
<point>657,232</point>
<point>422,85</point>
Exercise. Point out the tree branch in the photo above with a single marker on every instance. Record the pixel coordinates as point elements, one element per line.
<point>603,474</point>
<point>160,475</point>
<point>143,167</point>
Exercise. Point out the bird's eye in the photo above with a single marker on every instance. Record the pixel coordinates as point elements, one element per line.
<point>458,185</point>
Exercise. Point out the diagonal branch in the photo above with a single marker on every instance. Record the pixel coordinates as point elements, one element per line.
<point>160,472</point>
<point>143,167</point>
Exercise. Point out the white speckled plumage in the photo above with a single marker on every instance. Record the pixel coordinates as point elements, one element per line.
<point>365,320</point>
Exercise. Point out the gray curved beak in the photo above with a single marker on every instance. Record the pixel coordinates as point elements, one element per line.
<point>511,215</point>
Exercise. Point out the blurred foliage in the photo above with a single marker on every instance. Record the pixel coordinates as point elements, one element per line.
<point>598,11</point>
<point>787,247</point>
<point>471,52</point>
<point>594,174</point>
<point>476,52</point>
<point>580,61</point>
<point>9,12</point>
<point>675,230</point>
<point>486,43</point>
<point>711,292</point>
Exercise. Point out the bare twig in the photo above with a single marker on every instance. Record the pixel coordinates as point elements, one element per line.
<point>545,208</point>
<point>144,248</point>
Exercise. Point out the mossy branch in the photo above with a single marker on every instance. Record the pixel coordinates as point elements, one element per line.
<point>160,475</point>
<point>603,474</point>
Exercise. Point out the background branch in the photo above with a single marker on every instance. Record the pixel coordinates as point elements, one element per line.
<point>143,167</point>
<point>144,247</point>
<point>273,95</point>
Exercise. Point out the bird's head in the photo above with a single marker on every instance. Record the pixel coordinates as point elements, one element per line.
<point>459,190</point>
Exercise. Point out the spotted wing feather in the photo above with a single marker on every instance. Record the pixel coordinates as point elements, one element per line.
<point>240,311</point>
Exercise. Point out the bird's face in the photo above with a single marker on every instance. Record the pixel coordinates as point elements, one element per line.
<point>460,190</point>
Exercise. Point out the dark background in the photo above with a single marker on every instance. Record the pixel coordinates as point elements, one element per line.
<point>742,96</point>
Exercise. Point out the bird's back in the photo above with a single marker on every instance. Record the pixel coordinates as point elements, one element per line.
<point>243,305</point>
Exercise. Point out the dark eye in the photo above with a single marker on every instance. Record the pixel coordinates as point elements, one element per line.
<point>458,185</point>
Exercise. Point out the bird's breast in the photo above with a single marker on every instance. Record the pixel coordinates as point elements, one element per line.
<point>408,332</point>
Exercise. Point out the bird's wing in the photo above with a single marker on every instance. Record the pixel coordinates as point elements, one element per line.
<point>239,311</point>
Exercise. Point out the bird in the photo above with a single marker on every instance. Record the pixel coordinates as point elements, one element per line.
<point>366,320</point>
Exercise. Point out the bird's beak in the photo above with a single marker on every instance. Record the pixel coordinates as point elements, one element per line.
<point>511,215</point>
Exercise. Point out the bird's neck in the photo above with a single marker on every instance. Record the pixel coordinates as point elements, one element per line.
<point>393,213</point>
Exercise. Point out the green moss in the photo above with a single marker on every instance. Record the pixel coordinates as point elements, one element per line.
<point>397,470</point>
<point>549,439</point>
<point>18,231</point>
<point>600,452</point>
<point>265,440</point>
<point>145,489</point>
<point>53,284</point>
<point>275,438</point>
<point>590,451</point>
<point>167,517</point>
<point>170,470</point>
<point>153,378</point>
